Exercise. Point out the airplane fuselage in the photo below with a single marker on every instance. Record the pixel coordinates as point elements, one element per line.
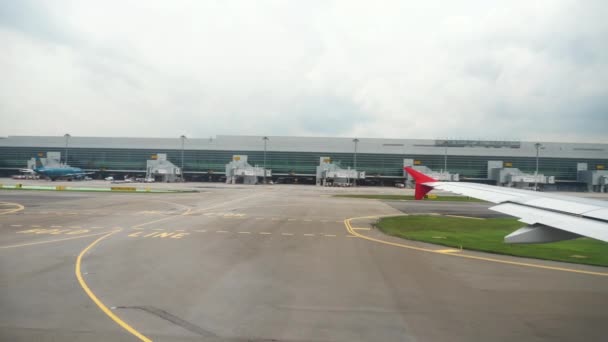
<point>59,172</point>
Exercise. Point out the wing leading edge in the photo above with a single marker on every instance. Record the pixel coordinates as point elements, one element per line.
<point>549,217</point>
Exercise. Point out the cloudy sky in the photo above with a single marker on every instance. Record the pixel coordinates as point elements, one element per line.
<point>530,70</point>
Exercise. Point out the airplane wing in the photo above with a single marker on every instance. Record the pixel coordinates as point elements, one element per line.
<point>549,217</point>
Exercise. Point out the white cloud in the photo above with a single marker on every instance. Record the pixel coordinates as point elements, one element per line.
<point>494,69</point>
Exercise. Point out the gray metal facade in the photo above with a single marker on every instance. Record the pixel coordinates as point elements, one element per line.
<point>300,155</point>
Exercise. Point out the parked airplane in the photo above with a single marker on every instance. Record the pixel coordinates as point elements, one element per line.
<point>550,217</point>
<point>54,173</point>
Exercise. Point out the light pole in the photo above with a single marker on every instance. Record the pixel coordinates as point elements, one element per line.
<point>265,142</point>
<point>445,157</point>
<point>67,139</point>
<point>183,138</point>
<point>356,141</point>
<point>538,146</point>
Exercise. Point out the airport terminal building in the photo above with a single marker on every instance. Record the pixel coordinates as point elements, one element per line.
<point>294,159</point>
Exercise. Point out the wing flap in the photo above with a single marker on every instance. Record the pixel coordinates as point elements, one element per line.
<point>573,224</point>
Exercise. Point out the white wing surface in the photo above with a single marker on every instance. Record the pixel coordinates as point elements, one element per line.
<point>549,217</point>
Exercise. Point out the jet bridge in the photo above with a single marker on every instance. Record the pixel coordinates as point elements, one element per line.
<point>239,170</point>
<point>505,175</point>
<point>442,175</point>
<point>329,173</point>
<point>52,159</point>
<point>596,180</point>
<point>159,169</point>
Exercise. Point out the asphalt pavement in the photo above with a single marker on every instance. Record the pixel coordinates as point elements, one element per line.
<point>267,263</point>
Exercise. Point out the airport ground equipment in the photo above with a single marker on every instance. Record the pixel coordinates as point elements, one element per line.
<point>329,173</point>
<point>596,180</point>
<point>442,175</point>
<point>239,170</point>
<point>160,169</point>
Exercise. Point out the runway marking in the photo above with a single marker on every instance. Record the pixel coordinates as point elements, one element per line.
<point>291,219</point>
<point>200,231</point>
<point>330,235</point>
<point>259,218</point>
<point>16,225</point>
<point>75,227</point>
<point>53,231</point>
<point>265,233</point>
<point>309,234</point>
<point>244,232</point>
<point>222,231</point>
<point>162,235</point>
<point>99,303</point>
<point>287,234</point>
<point>18,207</point>
<point>462,255</point>
<point>50,241</point>
<point>448,250</point>
<point>307,220</point>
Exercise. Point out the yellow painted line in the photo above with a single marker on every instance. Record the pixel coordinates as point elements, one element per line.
<point>462,255</point>
<point>18,206</point>
<point>447,250</point>
<point>244,232</point>
<point>185,213</point>
<point>50,241</point>
<point>99,303</point>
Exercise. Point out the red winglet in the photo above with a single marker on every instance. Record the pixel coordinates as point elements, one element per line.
<point>420,178</point>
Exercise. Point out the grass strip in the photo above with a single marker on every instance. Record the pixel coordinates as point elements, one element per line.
<point>488,236</point>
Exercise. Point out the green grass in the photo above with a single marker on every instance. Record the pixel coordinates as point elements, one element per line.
<point>488,236</point>
<point>411,198</point>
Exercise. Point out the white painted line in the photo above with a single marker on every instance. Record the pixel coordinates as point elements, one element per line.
<point>222,231</point>
<point>259,218</point>
<point>309,234</point>
<point>265,233</point>
<point>351,236</point>
<point>200,231</point>
<point>76,227</point>
<point>244,232</point>
<point>157,229</point>
<point>291,219</point>
<point>287,234</point>
<point>329,235</point>
<point>307,220</point>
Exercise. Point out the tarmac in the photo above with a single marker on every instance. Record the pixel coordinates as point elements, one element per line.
<point>268,263</point>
